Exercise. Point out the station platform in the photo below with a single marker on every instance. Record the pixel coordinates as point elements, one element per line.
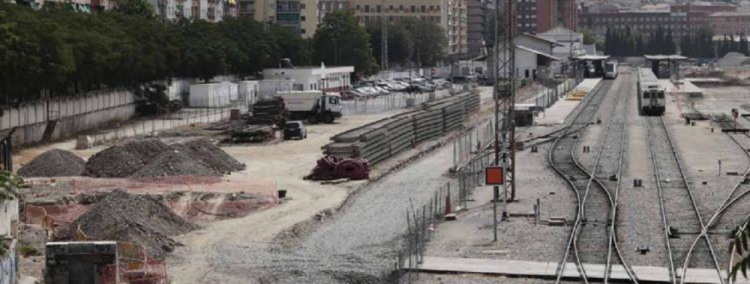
<point>556,114</point>
<point>682,87</point>
<point>537,269</point>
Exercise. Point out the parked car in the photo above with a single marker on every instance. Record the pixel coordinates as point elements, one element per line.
<point>294,129</point>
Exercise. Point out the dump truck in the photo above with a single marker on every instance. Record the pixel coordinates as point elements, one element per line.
<point>313,106</point>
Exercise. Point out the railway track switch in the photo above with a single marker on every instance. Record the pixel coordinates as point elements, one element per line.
<point>673,233</point>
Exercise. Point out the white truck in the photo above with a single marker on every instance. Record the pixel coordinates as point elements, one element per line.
<point>312,106</point>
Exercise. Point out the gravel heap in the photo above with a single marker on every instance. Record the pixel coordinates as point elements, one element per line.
<point>54,163</point>
<point>211,155</point>
<point>175,163</point>
<point>134,218</point>
<point>124,160</point>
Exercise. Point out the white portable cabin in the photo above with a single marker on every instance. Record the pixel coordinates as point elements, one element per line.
<point>212,94</point>
<point>247,92</point>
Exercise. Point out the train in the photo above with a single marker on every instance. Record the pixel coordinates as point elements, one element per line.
<point>651,99</point>
<point>610,70</point>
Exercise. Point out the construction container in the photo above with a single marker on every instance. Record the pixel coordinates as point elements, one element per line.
<point>78,262</point>
<point>212,94</point>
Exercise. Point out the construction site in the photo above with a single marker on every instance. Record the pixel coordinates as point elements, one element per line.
<point>157,208</point>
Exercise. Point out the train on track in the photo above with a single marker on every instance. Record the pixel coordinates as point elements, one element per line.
<point>610,70</point>
<point>651,95</point>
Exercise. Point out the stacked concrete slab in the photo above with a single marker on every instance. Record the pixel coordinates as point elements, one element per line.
<point>389,136</point>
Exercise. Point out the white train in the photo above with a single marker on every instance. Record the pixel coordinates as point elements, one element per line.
<point>650,93</point>
<point>610,70</point>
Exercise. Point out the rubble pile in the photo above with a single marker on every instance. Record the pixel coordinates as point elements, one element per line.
<point>210,155</point>
<point>54,163</point>
<point>123,160</point>
<point>175,162</point>
<point>134,218</point>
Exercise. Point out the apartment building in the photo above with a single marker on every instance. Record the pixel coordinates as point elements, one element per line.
<point>477,25</point>
<point>642,21</point>
<point>449,14</point>
<point>301,16</point>
<point>724,23</point>
<point>537,16</point>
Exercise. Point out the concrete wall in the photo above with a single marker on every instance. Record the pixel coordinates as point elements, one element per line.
<point>74,115</point>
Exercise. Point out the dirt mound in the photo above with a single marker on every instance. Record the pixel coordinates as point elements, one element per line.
<point>211,155</point>
<point>54,163</point>
<point>134,218</point>
<point>175,163</point>
<point>124,160</point>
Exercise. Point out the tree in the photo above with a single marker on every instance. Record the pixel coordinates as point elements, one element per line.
<point>340,40</point>
<point>134,7</point>
<point>400,42</point>
<point>430,43</point>
<point>588,38</point>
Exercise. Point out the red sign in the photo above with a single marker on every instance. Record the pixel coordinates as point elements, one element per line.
<point>494,176</point>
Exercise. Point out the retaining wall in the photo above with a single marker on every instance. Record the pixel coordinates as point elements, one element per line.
<point>73,115</point>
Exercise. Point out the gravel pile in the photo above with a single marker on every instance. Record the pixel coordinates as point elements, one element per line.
<point>54,163</point>
<point>124,160</point>
<point>211,156</point>
<point>175,163</point>
<point>134,218</point>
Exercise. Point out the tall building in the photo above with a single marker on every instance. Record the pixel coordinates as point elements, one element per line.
<point>209,10</point>
<point>537,16</point>
<point>327,6</point>
<point>477,24</point>
<point>451,15</point>
<point>730,23</point>
<point>300,16</point>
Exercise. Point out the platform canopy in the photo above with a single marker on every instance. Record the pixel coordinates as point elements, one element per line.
<point>660,57</point>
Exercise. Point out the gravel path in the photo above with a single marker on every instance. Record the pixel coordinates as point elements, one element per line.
<point>356,245</point>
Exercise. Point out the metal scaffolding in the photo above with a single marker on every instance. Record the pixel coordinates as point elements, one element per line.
<point>505,96</point>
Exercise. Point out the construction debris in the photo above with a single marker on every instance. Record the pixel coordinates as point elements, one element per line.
<point>133,218</point>
<point>252,133</point>
<point>123,160</point>
<point>54,163</point>
<point>175,163</point>
<point>333,168</point>
<point>270,111</point>
<point>210,155</point>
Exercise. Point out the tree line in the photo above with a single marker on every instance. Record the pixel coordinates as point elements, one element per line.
<point>698,44</point>
<point>58,52</point>
<point>410,41</point>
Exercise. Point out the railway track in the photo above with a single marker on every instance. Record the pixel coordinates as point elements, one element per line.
<point>679,213</point>
<point>730,215</point>
<point>592,237</point>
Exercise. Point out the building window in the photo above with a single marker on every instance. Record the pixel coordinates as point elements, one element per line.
<point>413,9</point>
<point>302,18</point>
<point>378,8</point>
<point>401,8</point>
<point>302,6</point>
<point>302,31</point>
<point>367,8</point>
<point>424,9</point>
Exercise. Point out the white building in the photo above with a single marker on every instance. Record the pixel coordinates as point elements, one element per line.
<point>329,79</point>
<point>211,11</point>
<point>533,57</point>
<point>565,38</point>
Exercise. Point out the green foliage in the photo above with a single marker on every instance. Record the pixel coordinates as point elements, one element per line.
<point>9,182</point>
<point>27,250</point>
<point>410,39</point>
<point>340,40</point>
<point>698,44</point>
<point>588,38</point>
<point>623,43</point>
<point>400,43</point>
<point>134,7</point>
<point>58,52</point>
<point>740,247</point>
<point>430,43</point>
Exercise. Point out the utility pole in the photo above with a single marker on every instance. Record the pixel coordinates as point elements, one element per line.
<point>504,94</point>
<point>384,39</point>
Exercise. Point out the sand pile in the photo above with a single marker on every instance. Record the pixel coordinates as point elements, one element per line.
<point>134,218</point>
<point>54,163</point>
<point>124,160</point>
